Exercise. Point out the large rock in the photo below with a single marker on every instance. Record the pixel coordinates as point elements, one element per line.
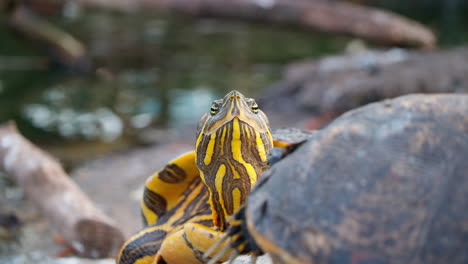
<point>341,83</point>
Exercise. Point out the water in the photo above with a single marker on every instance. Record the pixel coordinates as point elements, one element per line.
<point>148,70</point>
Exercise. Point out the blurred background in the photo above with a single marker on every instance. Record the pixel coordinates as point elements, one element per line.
<point>84,80</point>
<point>126,74</point>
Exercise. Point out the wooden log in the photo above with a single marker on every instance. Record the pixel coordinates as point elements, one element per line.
<point>320,15</point>
<point>62,47</point>
<point>69,211</point>
<point>339,83</point>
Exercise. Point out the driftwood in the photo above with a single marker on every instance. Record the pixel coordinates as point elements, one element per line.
<point>69,211</point>
<point>321,15</point>
<point>62,47</point>
<point>339,83</point>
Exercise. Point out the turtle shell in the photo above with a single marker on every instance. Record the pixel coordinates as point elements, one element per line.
<point>385,183</point>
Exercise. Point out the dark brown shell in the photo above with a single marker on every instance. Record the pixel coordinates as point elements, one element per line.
<point>386,183</point>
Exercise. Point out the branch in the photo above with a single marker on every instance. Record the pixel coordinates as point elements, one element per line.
<point>63,47</point>
<point>321,15</point>
<point>69,211</point>
<point>340,83</point>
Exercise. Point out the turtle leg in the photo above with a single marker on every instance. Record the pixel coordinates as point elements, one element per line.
<point>172,197</point>
<point>236,240</point>
<point>281,149</point>
<point>193,207</point>
<point>189,244</point>
<point>164,188</point>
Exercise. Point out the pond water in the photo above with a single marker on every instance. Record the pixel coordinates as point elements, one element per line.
<point>149,71</point>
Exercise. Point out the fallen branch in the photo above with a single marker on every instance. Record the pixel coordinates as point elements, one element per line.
<point>339,83</point>
<point>63,48</point>
<point>69,211</point>
<point>321,15</point>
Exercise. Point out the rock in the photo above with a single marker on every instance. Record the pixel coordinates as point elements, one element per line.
<point>265,259</point>
<point>340,83</point>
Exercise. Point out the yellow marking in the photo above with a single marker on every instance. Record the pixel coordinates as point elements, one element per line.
<point>181,211</point>
<point>236,198</point>
<point>260,147</point>
<point>236,140</point>
<point>281,144</point>
<point>236,174</point>
<point>219,184</point>
<point>202,238</point>
<point>171,192</point>
<point>236,146</point>
<point>210,149</point>
<point>174,249</point>
<point>149,215</point>
<point>145,260</point>
<point>199,139</point>
<point>214,215</point>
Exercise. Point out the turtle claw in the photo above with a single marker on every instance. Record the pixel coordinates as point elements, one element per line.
<point>220,254</point>
<point>239,242</point>
<point>215,246</point>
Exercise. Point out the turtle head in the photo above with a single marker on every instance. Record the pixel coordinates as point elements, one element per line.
<point>234,105</point>
<point>233,141</point>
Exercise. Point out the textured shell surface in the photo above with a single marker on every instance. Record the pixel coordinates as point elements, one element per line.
<point>385,183</point>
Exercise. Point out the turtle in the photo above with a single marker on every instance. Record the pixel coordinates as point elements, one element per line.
<point>385,183</point>
<point>185,205</point>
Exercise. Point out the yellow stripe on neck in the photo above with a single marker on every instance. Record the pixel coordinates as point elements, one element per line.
<point>210,149</point>
<point>236,146</point>
<point>236,198</point>
<point>260,147</point>
<point>219,184</point>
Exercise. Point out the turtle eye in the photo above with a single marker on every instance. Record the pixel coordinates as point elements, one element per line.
<point>214,109</point>
<point>254,107</point>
